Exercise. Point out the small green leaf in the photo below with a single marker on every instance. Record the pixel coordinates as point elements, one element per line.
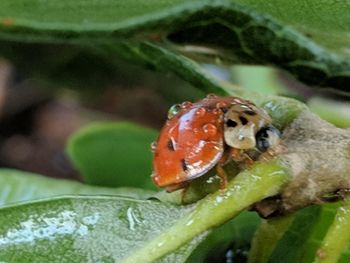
<point>113,154</point>
<point>333,111</point>
<point>17,186</point>
<point>85,229</point>
<point>300,242</point>
<point>291,246</point>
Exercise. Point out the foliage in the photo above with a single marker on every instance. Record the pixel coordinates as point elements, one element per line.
<point>118,224</point>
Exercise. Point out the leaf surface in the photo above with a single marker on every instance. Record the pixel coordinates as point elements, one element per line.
<point>84,229</point>
<point>305,234</point>
<point>238,31</point>
<point>113,154</point>
<point>17,186</point>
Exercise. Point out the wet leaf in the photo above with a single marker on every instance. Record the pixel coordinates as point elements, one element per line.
<point>84,229</point>
<point>18,186</point>
<point>113,154</point>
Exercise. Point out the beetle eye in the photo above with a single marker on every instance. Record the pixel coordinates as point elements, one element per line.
<point>267,137</point>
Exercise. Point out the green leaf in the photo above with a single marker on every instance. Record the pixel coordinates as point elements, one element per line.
<point>265,80</point>
<point>333,111</point>
<point>223,30</point>
<point>292,244</point>
<point>17,186</point>
<point>236,234</point>
<point>327,23</point>
<point>304,236</point>
<point>113,154</point>
<point>165,60</point>
<point>85,229</point>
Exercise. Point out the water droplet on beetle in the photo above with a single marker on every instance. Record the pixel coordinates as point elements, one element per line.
<point>186,104</point>
<point>220,105</point>
<point>201,112</point>
<point>210,129</point>
<point>174,110</point>
<point>216,111</point>
<point>154,146</point>
<point>211,96</point>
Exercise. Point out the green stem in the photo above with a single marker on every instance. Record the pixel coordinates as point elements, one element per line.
<point>267,236</point>
<point>261,181</point>
<point>337,237</point>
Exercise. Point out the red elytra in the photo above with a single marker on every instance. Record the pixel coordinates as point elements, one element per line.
<point>191,142</point>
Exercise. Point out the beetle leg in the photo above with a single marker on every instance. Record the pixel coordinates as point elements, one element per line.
<point>220,170</point>
<point>174,187</point>
<point>223,177</point>
<point>183,194</point>
<point>237,155</point>
<point>272,152</point>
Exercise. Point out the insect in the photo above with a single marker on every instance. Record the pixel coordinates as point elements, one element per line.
<point>206,134</point>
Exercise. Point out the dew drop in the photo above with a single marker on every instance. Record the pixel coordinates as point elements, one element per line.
<point>131,218</point>
<point>174,110</point>
<point>211,96</point>
<point>210,129</point>
<point>153,146</point>
<point>186,105</point>
<point>201,112</point>
<point>220,105</point>
<point>160,244</point>
<point>219,199</point>
<point>190,222</point>
<point>216,111</point>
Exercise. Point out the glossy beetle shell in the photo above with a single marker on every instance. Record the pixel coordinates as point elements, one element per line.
<point>191,142</point>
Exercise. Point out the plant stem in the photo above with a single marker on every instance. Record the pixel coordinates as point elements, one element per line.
<point>261,181</point>
<point>337,237</point>
<point>266,237</point>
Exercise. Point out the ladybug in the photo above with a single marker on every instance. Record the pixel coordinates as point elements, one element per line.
<point>210,132</point>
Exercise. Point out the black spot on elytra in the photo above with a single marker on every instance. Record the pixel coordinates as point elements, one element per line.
<point>184,165</point>
<point>171,145</point>
<point>243,120</point>
<point>231,123</point>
